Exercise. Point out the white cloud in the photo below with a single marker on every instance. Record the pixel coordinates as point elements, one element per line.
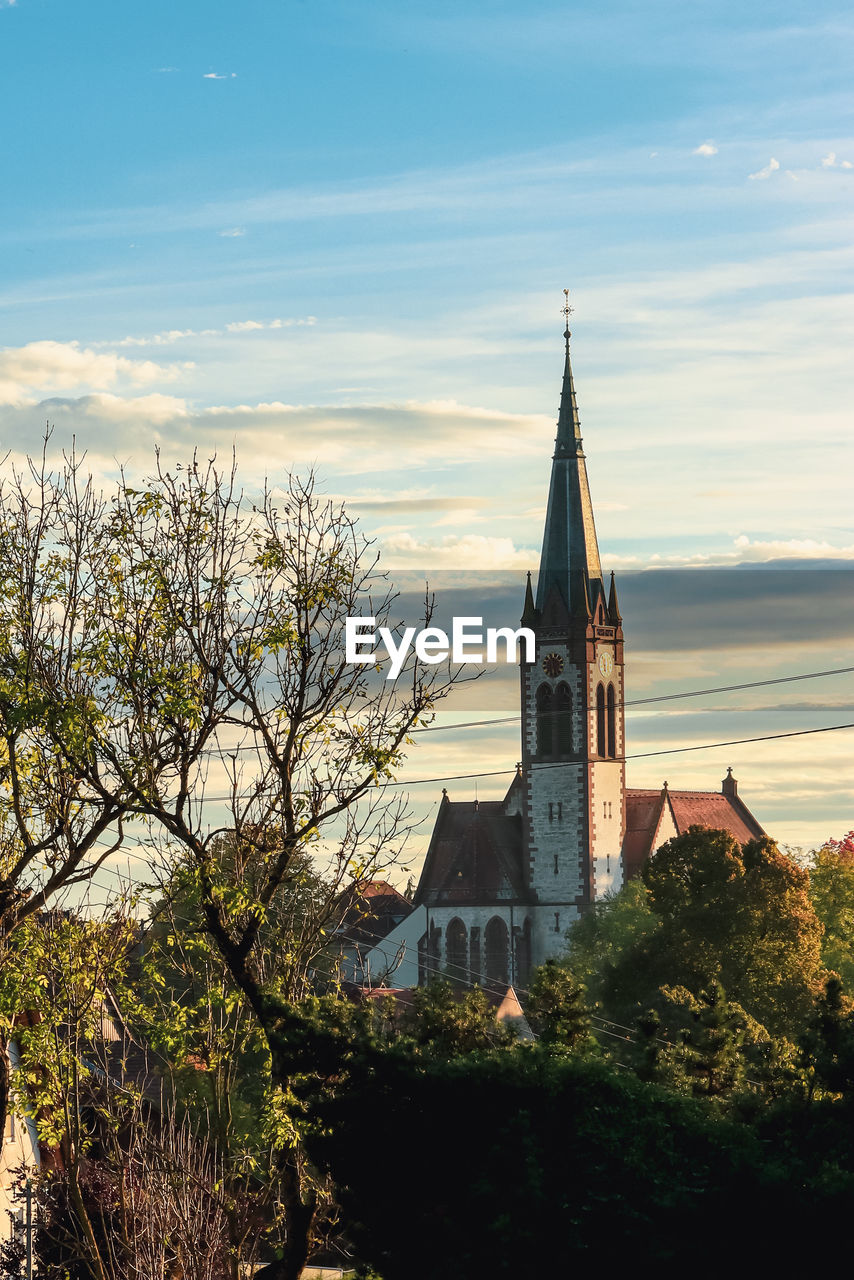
<point>242,326</point>
<point>63,366</point>
<point>469,551</point>
<point>705,149</point>
<point>770,168</point>
<point>151,409</point>
<point>233,232</point>
<point>830,162</point>
<point>215,75</point>
<point>744,550</point>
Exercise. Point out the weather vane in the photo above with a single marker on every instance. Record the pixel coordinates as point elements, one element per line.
<point>566,311</point>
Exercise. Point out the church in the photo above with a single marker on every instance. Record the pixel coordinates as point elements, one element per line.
<point>503,880</point>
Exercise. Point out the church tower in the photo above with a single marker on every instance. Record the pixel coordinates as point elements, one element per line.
<point>573,740</point>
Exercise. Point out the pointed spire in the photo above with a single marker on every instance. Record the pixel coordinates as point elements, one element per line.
<point>569,540</point>
<point>613,603</point>
<point>529,613</point>
<point>568,422</point>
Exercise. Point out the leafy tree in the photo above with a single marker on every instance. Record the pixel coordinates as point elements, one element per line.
<point>556,1008</point>
<point>59,818</point>
<point>832,896</point>
<point>614,926</point>
<point>736,916</point>
<point>521,1157</point>
<point>712,1059</point>
<point>216,651</point>
<point>827,1045</point>
<point>444,1022</point>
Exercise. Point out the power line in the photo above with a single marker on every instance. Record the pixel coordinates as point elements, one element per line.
<point>638,755</point>
<point>664,697</point>
<point>560,764</point>
<point>631,702</point>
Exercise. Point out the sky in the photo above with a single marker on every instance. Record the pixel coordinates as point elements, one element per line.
<point>336,235</point>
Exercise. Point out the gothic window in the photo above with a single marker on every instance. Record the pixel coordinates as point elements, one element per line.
<point>612,726</point>
<point>563,716</point>
<point>423,975</point>
<point>474,942</point>
<point>523,952</point>
<point>432,947</point>
<point>497,952</point>
<point>600,721</point>
<point>456,943</point>
<point>545,726</point>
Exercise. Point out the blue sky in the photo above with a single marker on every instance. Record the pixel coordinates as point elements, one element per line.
<point>336,234</point>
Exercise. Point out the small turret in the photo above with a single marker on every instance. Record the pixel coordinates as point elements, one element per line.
<point>529,613</point>
<point>613,604</point>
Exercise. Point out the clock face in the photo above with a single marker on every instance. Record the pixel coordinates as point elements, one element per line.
<point>552,664</point>
<point>606,664</point>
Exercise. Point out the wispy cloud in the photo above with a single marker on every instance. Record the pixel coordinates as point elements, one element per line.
<point>168,336</point>
<point>217,75</point>
<point>830,162</point>
<point>233,232</point>
<point>705,149</point>
<point>771,167</point>
<point>164,71</point>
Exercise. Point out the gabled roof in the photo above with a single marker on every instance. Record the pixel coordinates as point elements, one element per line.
<point>652,817</point>
<point>376,908</point>
<point>475,855</point>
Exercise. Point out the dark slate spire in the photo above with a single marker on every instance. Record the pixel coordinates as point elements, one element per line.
<point>613,603</point>
<point>528,613</point>
<point>569,540</point>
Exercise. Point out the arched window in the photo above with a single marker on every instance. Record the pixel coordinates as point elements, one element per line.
<point>563,718</point>
<point>600,721</point>
<point>497,952</point>
<point>545,726</point>
<point>523,952</point>
<point>456,944</point>
<point>612,725</point>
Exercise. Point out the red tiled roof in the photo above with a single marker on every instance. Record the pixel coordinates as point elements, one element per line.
<point>381,889</point>
<point>376,908</point>
<point>645,809</point>
<point>710,809</point>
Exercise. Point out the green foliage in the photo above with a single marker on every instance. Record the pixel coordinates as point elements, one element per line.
<point>614,926</point>
<point>445,1022</point>
<point>713,1058</point>
<point>827,1045</point>
<point>518,1158</point>
<point>832,897</point>
<point>556,1009</point>
<point>738,917</point>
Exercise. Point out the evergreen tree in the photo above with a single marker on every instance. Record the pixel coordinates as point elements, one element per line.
<point>556,1008</point>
